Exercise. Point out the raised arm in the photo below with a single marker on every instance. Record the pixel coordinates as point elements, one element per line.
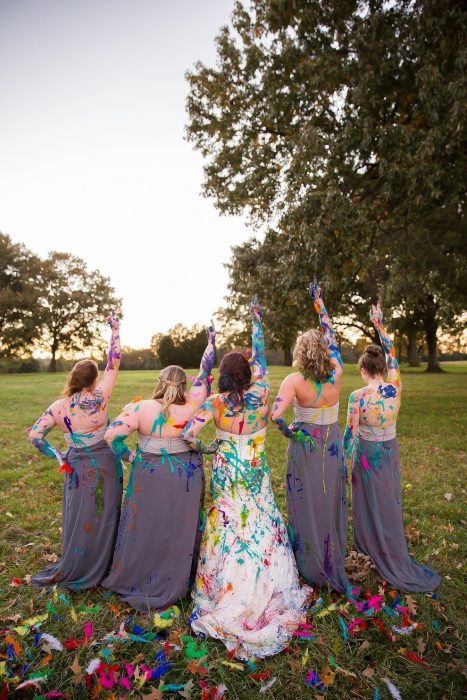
<point>259,366</point>
<point>326,327</point>
<point>113,356</point>
<point>201,388</point>
<point>281,403</point>
<point>196,424</point>
<point>120,428</point>
<point>353,419</point>
<point>376,317</point>
<point>36,436</point>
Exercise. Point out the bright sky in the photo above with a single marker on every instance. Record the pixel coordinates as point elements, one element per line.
<point>93,159</point>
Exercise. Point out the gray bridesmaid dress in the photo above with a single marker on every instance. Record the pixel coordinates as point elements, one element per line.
<point>317,498</point>
<point>158,539</point>
<point>92,495</point>
<point>377,511</point>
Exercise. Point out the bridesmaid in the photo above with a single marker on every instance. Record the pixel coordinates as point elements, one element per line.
<point>92,488</point>
<point>316,474</point>
<point>159,534</point>
<point>370,437</point>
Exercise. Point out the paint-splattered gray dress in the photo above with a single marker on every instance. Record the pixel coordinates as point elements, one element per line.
<point>92,494</point>
<point>377,511</point>
<point>160,528</point>
<point>317,498</point>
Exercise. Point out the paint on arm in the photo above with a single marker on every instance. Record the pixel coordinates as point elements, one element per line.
<point>120,428</point>
<point>326,328</point>
<point>258,355</point>
<point>394,376</point>
<point>258,393</point>
<point>282,401</point>
<point>353,420</point>
<point>201,388</point>
<point>113,357</point>
<point>196,424</point>
<point>38,432</point>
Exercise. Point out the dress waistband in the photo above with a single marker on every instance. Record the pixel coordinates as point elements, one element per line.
<point>158,446</point>
<point>376,434</point>
<point>82,440</point>
<point>232,437</point>
<point>324,415</point>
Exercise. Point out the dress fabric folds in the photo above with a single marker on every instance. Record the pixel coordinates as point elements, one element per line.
<point>92,494</point>
<point>317,505</point>
<point>247,591</point>
<point>159,534</point>
<point>377,516</point>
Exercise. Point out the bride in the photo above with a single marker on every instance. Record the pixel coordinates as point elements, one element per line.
<point>247,592</point>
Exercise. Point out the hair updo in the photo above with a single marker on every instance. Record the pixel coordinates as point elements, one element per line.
<point>311,356</point>
<point>171,388</point>
<point>372,360</point>
<point>234,376</point>
<point>82,376</point>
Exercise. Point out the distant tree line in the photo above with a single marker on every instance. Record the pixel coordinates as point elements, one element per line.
<point>339,128</point>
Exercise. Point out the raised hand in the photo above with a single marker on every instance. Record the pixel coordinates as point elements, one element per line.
<point>255,309</point>
<point>376,315</point>
<point>314,290</point>
<point>211,332</point>
<point>113,320</point>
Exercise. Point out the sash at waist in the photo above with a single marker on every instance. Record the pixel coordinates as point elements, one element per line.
<point>81,441</point>
<point>324,415</point>
<point>158,446</point>
<point>244,438</point>
<point>376,434</point>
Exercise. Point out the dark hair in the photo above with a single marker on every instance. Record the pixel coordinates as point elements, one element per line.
<point>234,376</point>
<point>83,374</point>
<point>372,360</point>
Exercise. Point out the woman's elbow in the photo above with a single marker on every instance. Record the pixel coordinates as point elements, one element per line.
<point>108,437</point>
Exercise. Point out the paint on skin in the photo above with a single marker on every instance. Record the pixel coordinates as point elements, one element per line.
<point>243,529</point>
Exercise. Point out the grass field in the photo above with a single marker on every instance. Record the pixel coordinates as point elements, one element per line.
<point>432,431</point>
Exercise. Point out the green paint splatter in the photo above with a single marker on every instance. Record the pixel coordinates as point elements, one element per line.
<point>100,496</point>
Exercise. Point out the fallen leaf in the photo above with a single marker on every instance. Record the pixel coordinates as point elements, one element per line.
<point>154,695</point>
<point>411,605</point>
<point>421,646</point>
<point>368,672</point>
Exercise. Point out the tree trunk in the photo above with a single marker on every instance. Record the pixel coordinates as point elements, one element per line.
<point>53,361</point>
<point>287,356</point>
<point>412,349</point>
<point>430,323</point>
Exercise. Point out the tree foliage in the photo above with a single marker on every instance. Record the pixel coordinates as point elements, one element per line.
<point>19,295</point>
<point>73,305</point>
<point>55,304</point>
<point>180,346</point>
<point>340,126</point>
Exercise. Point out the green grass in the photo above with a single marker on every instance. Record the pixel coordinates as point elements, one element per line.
<point>431,430</point>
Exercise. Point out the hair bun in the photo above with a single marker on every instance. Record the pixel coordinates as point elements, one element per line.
<point>373,350</point>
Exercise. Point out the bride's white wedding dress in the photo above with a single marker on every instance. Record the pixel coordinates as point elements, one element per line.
<point>247,591</point>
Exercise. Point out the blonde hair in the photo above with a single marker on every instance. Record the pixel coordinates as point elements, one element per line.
<point>311,356</point>
<point>171,388</point>
<point>83,375</point>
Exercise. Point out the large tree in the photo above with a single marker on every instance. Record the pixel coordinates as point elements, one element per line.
<point>73,306</point>
<point>337,120</point>
<point>19,295</point>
